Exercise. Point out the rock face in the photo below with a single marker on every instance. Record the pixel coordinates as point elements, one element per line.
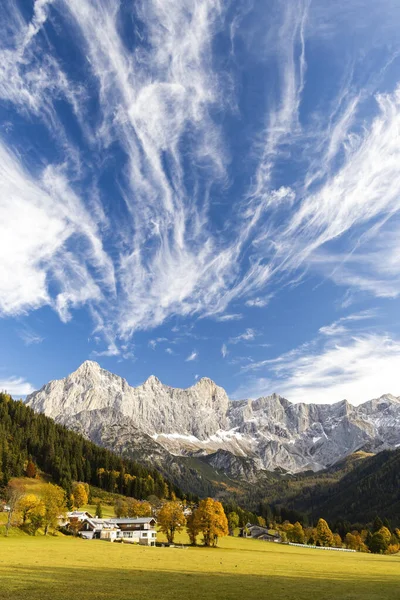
<point>271,431</point>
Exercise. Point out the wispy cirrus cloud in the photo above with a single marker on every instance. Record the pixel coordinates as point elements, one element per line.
<point>345,361</point>
<point>357,369</point>
<point>229,317</point>
<point>29,336</point>
<point>319,173</point>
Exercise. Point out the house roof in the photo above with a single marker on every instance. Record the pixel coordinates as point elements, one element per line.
<point>79,513</point>
<point>139,520</point>
<point>102,524</point>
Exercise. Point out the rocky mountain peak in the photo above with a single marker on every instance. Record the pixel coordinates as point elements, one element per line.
<point>86,368</point>
<point>152,381</point>
<point>271,430</point>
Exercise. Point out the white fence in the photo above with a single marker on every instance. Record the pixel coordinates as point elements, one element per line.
<point>321,547</point>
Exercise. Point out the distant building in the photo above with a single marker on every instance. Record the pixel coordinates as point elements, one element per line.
<point>259,533</point>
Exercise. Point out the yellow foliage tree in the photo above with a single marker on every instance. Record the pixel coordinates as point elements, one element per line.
<point>297,534</point>
<point>171,519</point>
<point>26,504</point>
<point>138,509</point>
<point>53,498</point>
<point>37,516</point>
<point>337,541</point>
<point>192,527</point>
<point>211,521</point>
<point>80,495</point>
<point>384,531</point>
<point>354,541</point>
<point>324,534</point>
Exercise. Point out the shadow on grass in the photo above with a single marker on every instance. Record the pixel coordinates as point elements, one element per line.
<point>48,583</point>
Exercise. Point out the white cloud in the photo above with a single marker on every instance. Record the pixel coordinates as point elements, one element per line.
<point>246,336</point>
<point>169,351</point>
<point>339,364</point>
<point>193,356</point>
<point>16,386</point>
<point>43,215</point>
<point>339,327</point>
<point>258,302</point>
<point>224,350</point>
<point>229,317</point>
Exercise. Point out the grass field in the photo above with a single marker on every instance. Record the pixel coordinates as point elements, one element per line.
<point>58,568</point>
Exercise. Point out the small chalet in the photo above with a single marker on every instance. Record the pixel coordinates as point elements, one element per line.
<point>259,533</point>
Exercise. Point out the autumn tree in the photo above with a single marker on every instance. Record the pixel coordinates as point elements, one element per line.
<point>324,534</point>
<point>80,495</point>
<point>136,508</point>
<point>192,527</point>
<point>30,469</point>
<point>260,520</point>
<point>297,534</point>
<point>54,506</point>
<point>233,522</point>
<point>171,519</point>
<point>337,541</point>
<point>354,541</point>
<point>212,521</point>
<point>384,531</point>
<point>14,491</point>
<point>36,517</point>
<point>26,504</point>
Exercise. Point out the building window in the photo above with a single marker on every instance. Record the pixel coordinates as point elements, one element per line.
<point>144,534</point>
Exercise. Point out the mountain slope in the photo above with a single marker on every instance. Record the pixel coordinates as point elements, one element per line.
<point>67,456</point>
<point>271,431</point>
<point>369,489</point>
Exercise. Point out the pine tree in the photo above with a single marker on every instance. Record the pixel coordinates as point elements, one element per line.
<point>99,511</point>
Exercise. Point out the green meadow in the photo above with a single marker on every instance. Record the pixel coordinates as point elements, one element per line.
<point>41,568</point>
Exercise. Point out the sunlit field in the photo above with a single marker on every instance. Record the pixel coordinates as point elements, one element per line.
<point>41,568</point>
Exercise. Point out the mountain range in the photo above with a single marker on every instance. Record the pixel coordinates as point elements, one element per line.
<point>168,426</point>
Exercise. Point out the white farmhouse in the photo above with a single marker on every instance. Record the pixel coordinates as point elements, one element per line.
<point>140,530</point>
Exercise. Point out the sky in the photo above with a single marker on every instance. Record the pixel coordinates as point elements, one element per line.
<point>194,188</point>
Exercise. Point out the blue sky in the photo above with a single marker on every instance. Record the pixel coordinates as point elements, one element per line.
<point>202,188</point>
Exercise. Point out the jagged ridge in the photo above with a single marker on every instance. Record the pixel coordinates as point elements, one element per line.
<point>201,419</point>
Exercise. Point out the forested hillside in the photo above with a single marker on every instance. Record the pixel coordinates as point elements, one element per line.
<point>371,488</point>
<point>67,456</point>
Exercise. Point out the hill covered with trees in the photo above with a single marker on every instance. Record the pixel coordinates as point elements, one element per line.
<point>28,438</point>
